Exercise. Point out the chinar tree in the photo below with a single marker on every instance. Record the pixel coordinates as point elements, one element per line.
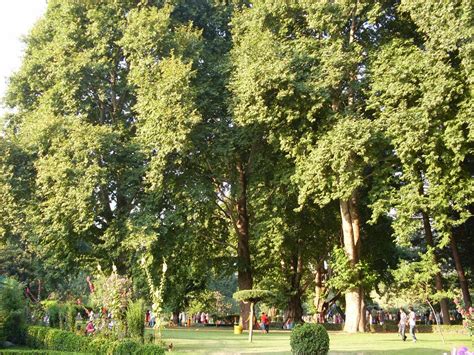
<point>299,69</point>
<point>74,123</point>
<point>202,166</point>
<point>421,94</point>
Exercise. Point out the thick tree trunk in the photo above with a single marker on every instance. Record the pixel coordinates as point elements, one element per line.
<point>244,267</point>
<point>460,270</point>
<point>355,315</point>
<point>295,308</point>
<point>438,279</point>
<point>176,317</point>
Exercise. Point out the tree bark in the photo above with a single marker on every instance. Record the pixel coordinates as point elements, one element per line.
<point>355,314</point>
<point>295,308</point>
<point>251,322</point>
<point>466,296</point>
<point>244,267</point>
<point>438,279</point>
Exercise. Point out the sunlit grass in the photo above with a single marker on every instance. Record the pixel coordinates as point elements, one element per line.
<point>205,341</point>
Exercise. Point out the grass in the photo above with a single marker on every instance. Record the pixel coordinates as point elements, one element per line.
<point>204,341</point>
<point>217,341</point>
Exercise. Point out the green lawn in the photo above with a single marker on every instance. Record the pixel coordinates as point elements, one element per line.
<point>208,341</point>
<point>204,341</point>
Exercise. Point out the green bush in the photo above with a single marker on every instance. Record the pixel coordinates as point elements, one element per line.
<point>57,313</point>
<point>15,327</point>
<point>150,349</point>
<point>126,347</point>
<point>12,312</point>
<point>71,311</point>
<point>60,340</point>
<point>309,339</point>
<point>136,320</point>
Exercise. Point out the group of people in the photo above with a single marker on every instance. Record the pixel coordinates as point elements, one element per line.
<point>97,321</point>
<point>405,320</point>
<point>150,318</point>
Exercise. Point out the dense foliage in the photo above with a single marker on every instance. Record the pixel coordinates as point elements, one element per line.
<point>309,339</point>
<point>304,147</point>
<point>252,295</point>
<point>61,340</point>
<point>12,312</point>
<point>135,320</point>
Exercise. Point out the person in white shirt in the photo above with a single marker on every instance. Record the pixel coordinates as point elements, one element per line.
<point>412,323</point>
<point>402,324</point>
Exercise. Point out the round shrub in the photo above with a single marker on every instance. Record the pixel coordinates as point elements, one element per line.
<point>309,339</point>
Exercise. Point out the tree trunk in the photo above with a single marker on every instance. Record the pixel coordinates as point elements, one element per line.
<point>438,279</point>
<point>176,317</point>
<point>362,319</point>
<point>295,308</point>
<point>355,316</point>
<point>251,322</point>
<point>320,291</point>
<point>244,267</point>
<point>460,270</point>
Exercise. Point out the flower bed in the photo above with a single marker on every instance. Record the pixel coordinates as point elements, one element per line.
<point>55,339</point>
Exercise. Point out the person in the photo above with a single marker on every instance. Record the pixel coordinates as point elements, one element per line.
<point>288,324</point>
<point>381,317</point>
<point>90,328</point>
<point>78,317</point>
<point>182,319</point>
<point>152,319</point>
<point>412,323</point>
<point>264,323</point>
<point>147,317</point>
<point>402,324</point>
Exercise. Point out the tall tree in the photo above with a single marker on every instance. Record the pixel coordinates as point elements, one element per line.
<point>299,69</point>
<point>422,95</point>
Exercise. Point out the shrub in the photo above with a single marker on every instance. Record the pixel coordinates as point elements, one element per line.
<point>150,349</point>
<point>125,347</point>
<point>39,337</point>
<point>15,327</point>
<point>12,312</point>
<point>55,311</point>
<point>71,311</point>
<point>309,339</point>
<point>136,320</point>
<point>55,339</point>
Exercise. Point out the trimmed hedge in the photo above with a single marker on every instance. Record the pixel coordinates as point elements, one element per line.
<point>39,337</point>
<point>309,339</point>
<point>252,295</point>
